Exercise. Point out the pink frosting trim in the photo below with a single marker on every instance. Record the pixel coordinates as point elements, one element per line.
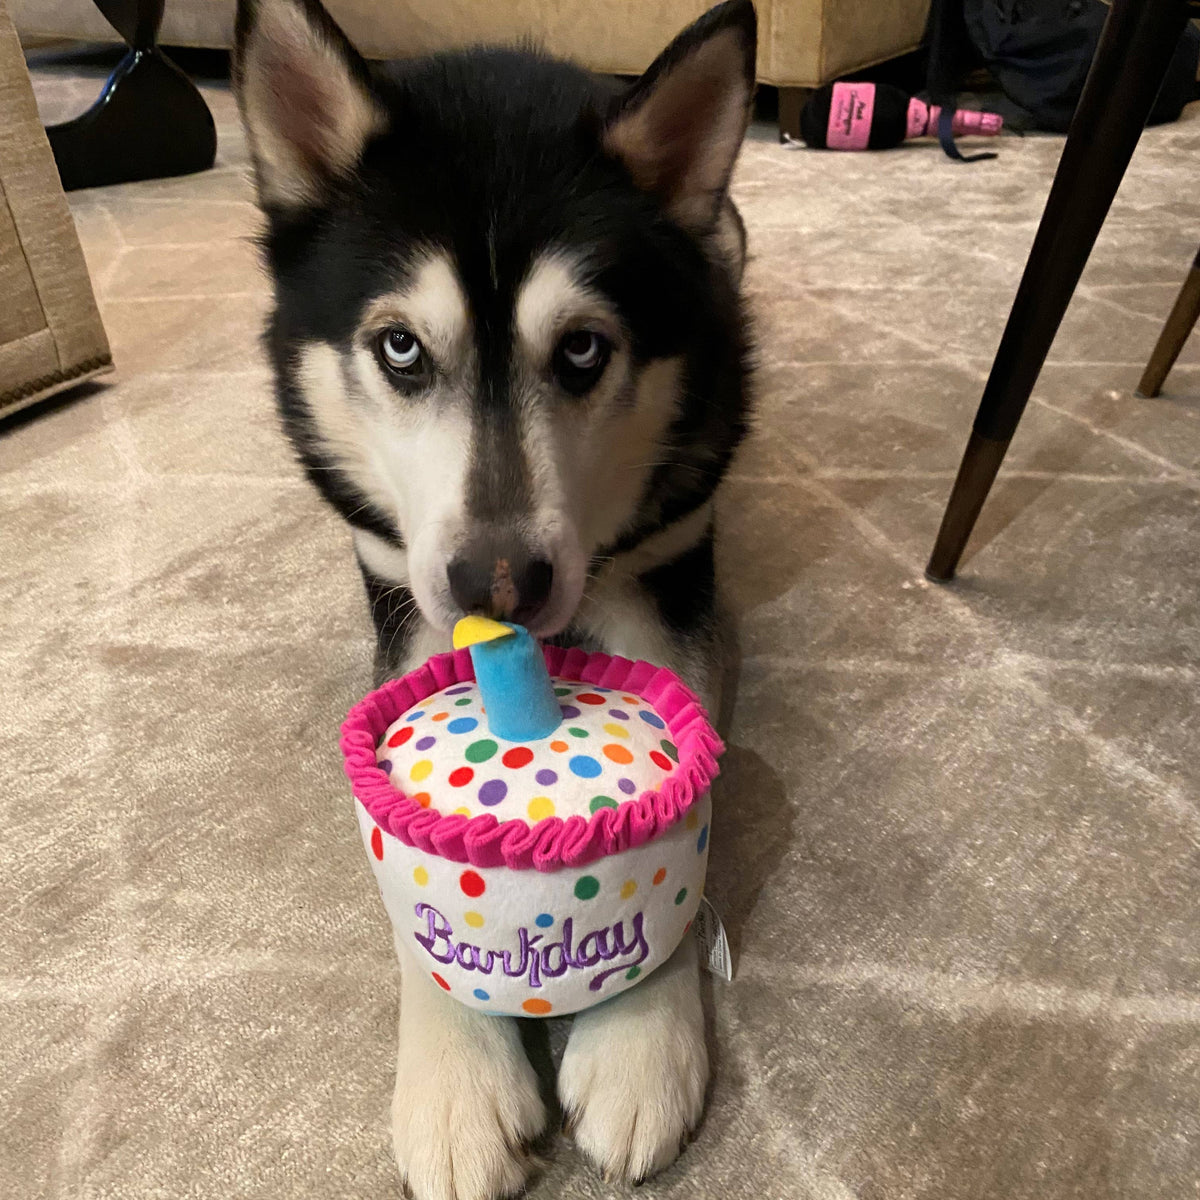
<point>552,843</point>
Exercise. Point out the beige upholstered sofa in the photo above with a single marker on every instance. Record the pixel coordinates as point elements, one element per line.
<point>50,330</point>
<point>802,43</point>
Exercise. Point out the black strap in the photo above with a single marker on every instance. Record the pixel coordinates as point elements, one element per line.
<point>949,42</point>
<point>946,138</point>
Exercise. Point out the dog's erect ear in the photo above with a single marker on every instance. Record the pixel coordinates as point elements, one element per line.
<point>305,95</point>
<point>679,128</point>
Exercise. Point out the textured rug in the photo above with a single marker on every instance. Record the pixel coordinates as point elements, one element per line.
<point>956,843</point>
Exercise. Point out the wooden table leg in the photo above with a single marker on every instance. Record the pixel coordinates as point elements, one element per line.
<point>1139,39</point>
<point>1182,320</point>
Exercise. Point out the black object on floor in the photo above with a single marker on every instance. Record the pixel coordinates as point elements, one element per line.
<point>1139,40</point>
<point>149,122</point>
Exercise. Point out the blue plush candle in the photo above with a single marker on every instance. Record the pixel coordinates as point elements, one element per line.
<point>513,681</point>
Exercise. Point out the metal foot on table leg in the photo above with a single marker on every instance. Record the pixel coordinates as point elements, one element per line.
<point>980,463</point>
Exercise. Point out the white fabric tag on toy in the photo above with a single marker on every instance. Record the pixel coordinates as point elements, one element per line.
<point>714,945</point>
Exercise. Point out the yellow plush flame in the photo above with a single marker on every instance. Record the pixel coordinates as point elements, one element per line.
<point>470,631</point>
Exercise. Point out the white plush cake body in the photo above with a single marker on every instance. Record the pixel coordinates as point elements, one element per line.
<point>530,942</point>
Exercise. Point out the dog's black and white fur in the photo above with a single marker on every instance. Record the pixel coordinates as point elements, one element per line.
<point>510,351</point>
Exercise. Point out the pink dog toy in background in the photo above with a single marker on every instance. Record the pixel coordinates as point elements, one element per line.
<point>876,116</point>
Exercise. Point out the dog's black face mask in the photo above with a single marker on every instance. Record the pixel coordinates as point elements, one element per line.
<point>507,335</point>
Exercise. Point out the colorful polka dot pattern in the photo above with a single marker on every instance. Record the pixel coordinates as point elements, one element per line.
<point>660,883</point>
<point>610,748</point>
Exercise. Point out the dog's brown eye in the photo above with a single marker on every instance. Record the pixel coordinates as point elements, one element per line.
<point>399,350</point>
<point>580,358</point>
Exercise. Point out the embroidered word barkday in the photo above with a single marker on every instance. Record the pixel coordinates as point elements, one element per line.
<point>532,957</point>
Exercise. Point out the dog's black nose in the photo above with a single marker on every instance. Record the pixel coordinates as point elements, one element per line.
<point>508,588</point>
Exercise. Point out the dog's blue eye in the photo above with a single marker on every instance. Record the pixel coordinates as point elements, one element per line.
<point>581,349</point>
<point>580,358</point>
<point>399,350</point>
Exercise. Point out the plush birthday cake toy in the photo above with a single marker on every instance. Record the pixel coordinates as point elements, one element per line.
<point>537,820</point>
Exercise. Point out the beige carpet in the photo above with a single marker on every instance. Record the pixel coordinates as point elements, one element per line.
<point>957,841</point>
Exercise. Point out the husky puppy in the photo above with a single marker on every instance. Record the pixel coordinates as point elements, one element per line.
<point>509,349</point>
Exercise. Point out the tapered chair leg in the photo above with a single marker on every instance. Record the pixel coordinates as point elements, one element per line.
<point>1181,322</point>
<point>1139,39</point>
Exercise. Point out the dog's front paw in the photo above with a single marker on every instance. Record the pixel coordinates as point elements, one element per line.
<point>634,1072</point>
<point>464,1134</point>
<point>464,1112</point>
